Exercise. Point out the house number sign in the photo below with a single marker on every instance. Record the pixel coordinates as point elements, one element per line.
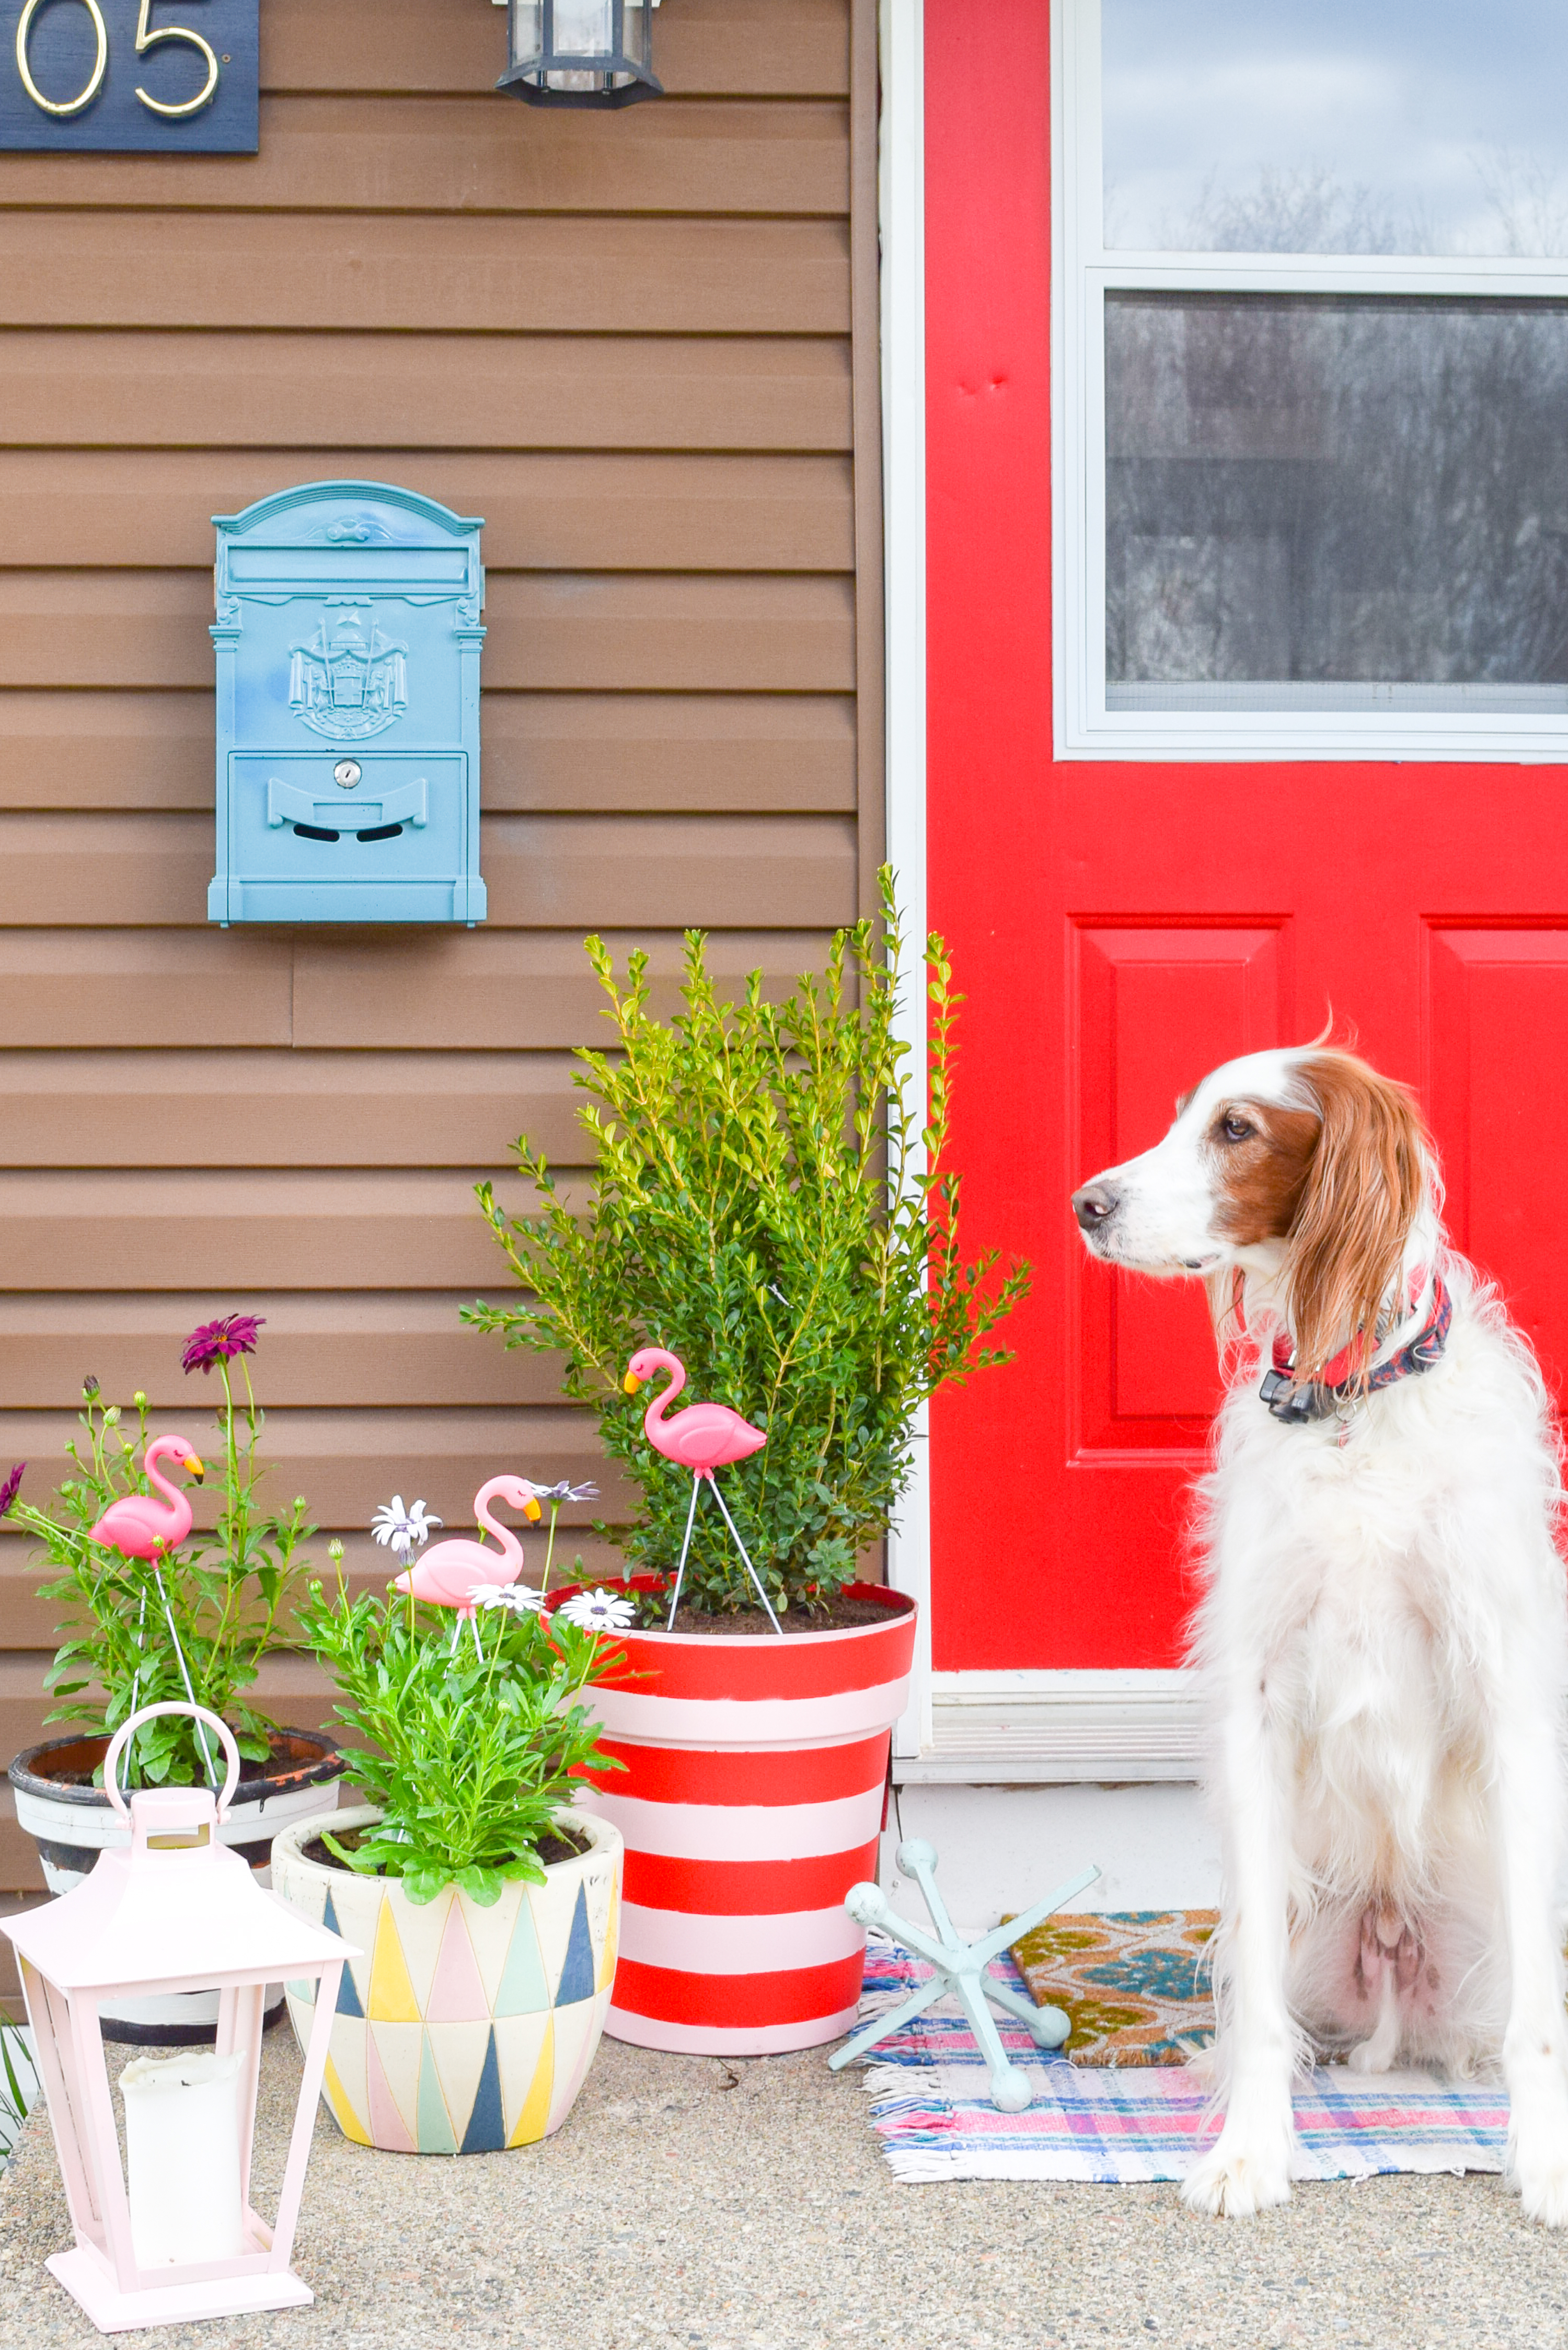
<point>147,76</point>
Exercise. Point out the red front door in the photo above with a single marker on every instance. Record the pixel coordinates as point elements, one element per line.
<point>1119,927</point>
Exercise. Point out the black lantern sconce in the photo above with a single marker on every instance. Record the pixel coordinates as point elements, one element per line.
<point>581,52</point>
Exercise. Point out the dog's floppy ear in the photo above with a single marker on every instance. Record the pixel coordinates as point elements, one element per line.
<point>1362,1191</point>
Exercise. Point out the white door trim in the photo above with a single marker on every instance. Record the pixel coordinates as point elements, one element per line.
<point>966,1726</point>
<point>901,206</point>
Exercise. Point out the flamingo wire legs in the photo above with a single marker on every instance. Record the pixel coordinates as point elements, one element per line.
<point>697,1477</point>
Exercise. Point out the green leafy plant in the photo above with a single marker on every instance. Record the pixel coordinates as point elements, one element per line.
<point>19,2086</point>
<point>468,1745</point>
<point>767,1206</point>
<point>195,1623</point>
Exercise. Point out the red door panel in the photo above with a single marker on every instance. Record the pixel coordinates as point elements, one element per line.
<point>1147,999</point>
<point>1498,1097</point>
<point>1119,927</point>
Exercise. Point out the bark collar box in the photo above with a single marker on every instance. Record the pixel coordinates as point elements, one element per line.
<point>348,643</point>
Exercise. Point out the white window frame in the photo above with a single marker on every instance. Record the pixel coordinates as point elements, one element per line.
<point>1084,272</point>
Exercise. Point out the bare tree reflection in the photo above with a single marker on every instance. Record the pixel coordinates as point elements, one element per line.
<point>1306,209</point>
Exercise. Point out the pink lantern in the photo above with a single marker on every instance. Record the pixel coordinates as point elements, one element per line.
<point>174,2236</point>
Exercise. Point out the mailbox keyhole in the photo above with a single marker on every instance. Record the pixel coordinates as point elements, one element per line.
<point>315,832</point>
<point>380,832</point>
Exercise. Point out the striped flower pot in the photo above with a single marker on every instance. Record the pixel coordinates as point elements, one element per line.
<point>751,1802</point>
<point>462,2030</point>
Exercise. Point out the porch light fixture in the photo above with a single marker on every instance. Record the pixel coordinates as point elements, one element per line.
<point>595,53</point>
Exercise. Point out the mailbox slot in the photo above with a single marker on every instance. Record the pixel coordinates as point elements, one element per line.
<point>381,818</point>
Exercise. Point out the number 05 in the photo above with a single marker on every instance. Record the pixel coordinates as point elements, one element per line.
<point>149,40</point>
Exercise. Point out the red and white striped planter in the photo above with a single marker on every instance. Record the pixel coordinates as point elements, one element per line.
<point>751,1802</point>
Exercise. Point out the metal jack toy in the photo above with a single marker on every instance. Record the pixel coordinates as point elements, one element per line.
<point>960,1969</point>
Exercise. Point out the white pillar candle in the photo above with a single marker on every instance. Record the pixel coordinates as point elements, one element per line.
<point>183,2158</point>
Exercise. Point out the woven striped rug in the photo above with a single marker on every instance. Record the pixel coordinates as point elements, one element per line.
<point>1118,2126</point>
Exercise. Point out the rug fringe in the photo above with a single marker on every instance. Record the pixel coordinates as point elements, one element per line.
<point>878,2002</point>
<point>892,2081</point>
<point>912,2167</point>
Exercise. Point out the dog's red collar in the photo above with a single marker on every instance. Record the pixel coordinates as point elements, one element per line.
<point>1294,1400</point>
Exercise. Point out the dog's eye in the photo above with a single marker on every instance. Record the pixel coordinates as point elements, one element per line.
<point>1235,1127</point>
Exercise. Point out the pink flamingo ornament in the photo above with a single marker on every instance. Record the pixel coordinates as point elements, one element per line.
<point>139,1527</point>
<point>450,1571</point>
<point>703,1437</point>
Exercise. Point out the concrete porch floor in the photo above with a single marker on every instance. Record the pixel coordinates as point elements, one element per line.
<point>694,2205</point>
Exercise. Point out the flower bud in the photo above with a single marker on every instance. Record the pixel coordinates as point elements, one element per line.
<point>140,1400</point>
<point>112,1417</point>
<point>299,1500</point>
<point>90,1388</point>
<point>335,1549</point>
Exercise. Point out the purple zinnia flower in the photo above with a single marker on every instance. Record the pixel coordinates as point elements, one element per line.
<point>217,1342</point>
<point>9,1489</point>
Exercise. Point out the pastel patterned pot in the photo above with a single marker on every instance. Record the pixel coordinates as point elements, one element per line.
<point>463,2030</point>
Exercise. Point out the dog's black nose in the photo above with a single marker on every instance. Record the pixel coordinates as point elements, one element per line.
<point>1092,1204</point>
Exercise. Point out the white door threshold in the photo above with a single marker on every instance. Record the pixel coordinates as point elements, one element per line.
<point>1017,1729</point>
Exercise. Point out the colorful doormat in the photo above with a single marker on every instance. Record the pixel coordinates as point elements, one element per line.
<point>1122,2126</point>
<point>1133,1982</point>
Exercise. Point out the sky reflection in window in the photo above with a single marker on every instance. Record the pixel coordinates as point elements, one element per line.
<point>1336,126</point>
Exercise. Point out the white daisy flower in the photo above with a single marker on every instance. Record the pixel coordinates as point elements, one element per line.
<point>565,1491</point>
<point>598,1611</point>
<point>519,1596</point>
<point>402,1530</point>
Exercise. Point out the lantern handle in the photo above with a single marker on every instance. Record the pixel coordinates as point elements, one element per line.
<point>150,1713</point>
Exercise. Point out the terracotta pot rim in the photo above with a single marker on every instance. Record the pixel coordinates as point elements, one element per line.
<point>900,1606</point>
<point>603,1833</point>
<point>330,1763</point>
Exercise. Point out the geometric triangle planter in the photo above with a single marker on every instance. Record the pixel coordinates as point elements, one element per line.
<point>445,2040</point>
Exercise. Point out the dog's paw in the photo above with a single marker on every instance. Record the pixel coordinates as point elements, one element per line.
<point>1543,2190</point>
<point>1239,2176</point>
<point>1374,2055</point>
<point>1537,2163</point>
<point>1539,2169</point>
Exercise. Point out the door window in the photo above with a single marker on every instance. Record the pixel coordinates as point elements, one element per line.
<point>1313,344</point>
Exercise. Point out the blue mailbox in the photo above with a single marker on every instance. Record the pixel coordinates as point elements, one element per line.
<point>348,639</point>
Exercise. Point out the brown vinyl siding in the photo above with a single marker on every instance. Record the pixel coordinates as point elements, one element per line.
<point>644,348</point>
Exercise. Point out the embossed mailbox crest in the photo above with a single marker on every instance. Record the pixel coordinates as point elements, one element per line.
<point>348,637</point>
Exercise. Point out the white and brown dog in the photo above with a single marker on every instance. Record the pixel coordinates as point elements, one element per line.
<point>1384,1633</point>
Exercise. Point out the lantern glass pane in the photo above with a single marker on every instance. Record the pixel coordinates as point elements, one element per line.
<point>584,28</point>
<point>637,34</point>
<point>527,31</point>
